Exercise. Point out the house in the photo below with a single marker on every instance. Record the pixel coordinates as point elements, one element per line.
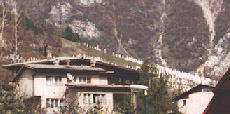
<point>221,99</point>
<point>85,81</point>
<point>195,100</point>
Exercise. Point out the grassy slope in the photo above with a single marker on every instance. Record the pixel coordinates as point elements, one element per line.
<point>75,48</point>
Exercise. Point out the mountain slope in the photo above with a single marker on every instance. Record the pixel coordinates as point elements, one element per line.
<point>187,35</point>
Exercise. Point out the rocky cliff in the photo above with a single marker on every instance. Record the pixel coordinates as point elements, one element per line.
<point>187,35</point>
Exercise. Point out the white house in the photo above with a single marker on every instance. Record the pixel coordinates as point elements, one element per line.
<point>195,100</point>
<point>87,82</point>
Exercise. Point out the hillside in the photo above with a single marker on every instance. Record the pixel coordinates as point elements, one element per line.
<point>187,35</point>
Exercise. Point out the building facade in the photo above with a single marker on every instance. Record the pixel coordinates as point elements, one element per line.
<point>82,82</point>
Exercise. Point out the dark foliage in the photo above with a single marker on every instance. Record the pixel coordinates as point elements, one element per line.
<point>159,101</point>
<point>69,35</point>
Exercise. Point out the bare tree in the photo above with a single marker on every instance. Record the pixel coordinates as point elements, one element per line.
<point>17,21</point>
<point>3,25</point>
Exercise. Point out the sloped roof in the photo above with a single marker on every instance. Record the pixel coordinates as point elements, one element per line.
<point>99,64</point>
<point>43,61</point>
<point>64,67</point>
<point>57,67</point>
<point>191,91</point>
<point>76,64</point>
<point>221,97</point>
<point>223,84</point>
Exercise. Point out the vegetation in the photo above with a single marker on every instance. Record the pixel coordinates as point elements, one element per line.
<point>44,34</point>
<point>10,103</point>
<point>30,25</point>
<point>127,107</point>
<point>69,35</point>
<point>159,101</point>
<point>38,28</point>
<point>97,109</point>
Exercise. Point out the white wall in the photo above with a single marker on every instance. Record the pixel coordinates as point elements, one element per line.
<point>95,79</point>
<point>24,84</point>
<point>48,91</point>
<point>195,103</point>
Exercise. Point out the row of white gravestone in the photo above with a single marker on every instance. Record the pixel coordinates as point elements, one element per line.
<point>17,59</point>
<point>115,54</point>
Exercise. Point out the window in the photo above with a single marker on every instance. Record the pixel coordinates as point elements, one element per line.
<point>98,98</point>
<point>119,80</point>
<point>75,79</point>
<point>51,103</point>
<point>93,98</point>
<point>49,80</point>
<point>56,102</point>
<point>87,98</point>
<point>82,80</point>
<point>129,82</point>
<point>184,102</point>
<point>61,103</point>
<point>47,103</point>
<point>53,80</point>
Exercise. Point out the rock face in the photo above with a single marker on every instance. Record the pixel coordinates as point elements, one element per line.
<point>188,35</point>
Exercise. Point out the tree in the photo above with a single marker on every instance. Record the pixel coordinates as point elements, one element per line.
<point>159,100</point>
<point>3,19</point>
<point>69,35</point>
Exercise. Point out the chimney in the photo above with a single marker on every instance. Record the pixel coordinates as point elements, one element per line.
<point>92,63</point>
<point>67,63</point>
<point>56,62</point>
<point>49,55</point>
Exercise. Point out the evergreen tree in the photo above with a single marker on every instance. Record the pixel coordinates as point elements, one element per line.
<point>159,101</point>
<point>69,35</point>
